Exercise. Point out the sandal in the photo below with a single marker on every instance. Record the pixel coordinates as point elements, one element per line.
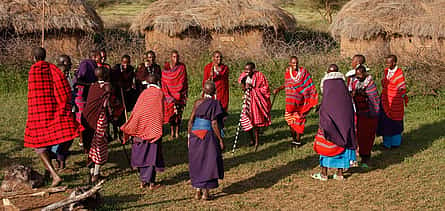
<point>320,177</point>
<point>339,178</point>
<point>364,165</point>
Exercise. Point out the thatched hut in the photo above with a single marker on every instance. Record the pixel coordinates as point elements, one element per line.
<point>65,23</point>
<point>236,27</point>
<point>412,29</point>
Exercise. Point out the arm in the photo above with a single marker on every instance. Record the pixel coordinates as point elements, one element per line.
<point>190,123</point>
<point>275,91</point>
<point>217,132</point>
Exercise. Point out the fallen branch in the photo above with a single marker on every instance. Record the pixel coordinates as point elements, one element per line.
<point>40,193</point>
<point>77,198</point>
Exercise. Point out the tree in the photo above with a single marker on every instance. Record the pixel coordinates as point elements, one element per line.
<point>327,8</point>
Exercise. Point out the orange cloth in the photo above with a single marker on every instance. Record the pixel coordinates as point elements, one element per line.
<point>394,95</point>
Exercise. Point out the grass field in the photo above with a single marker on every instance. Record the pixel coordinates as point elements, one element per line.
<point>274,177</point>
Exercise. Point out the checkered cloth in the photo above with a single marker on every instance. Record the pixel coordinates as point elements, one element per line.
<point>50,120</point>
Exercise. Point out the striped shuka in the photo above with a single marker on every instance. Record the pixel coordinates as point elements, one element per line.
<point>394,94</point>
<point>258,110</point>
<point>301,96</point>
<point>175,88</point>
<point>50,120</point>
<point>147,117</point>
<point>99,146</point>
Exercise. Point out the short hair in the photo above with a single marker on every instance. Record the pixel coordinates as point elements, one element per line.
<point>62,58</point>
<point>393,57</point>
<point>216,52</point>
<point>251,64</point>
<point>294,57</point>
<point>361,68</point>
<point>39,53</point>
<point>175,52</point>
<point>126,56</point>
<point>360,58</point>
<point>94,53</point>
<point>150,52</point>
<point>152,78</point>
<point>334,66</point>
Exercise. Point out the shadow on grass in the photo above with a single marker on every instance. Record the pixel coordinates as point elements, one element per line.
<point>7,159</point>
<point>269,178</point>
<point>413,142</point>
<point>157,203</point>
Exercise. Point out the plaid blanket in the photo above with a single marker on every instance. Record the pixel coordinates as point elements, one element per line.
<point>50,120</point>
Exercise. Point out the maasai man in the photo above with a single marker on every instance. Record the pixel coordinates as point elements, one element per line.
<point>175,88</point>
<point>367,103</point>
<point>64,64</point>
<point>205,143</point>
<point>357,60</point>
<point>149,66</point>
<point>62,151</point>
<point>83,78</point>
<point>336,124</point>
<point>301,96</point>
<point>218,72</point>
<point>257,106</point>
<point>102,59</point>
<point>96,113</point>
<point>50,121</point>
<point>145,125</point>
<point>122,80</point>
<point>393,100</point>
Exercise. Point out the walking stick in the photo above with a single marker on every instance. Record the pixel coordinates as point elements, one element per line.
<point>239,123</point>
<point>273,100</point>
<point>126,119</point>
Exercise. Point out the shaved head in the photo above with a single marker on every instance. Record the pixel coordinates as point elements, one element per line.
<point>39,54</point>
<point>332,68</point>
<point>152,79</point>
<point>209,88</point>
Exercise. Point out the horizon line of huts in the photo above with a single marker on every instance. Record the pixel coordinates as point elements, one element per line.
<point>412,29</point>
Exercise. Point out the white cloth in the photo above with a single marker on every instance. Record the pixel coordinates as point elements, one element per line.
<point>391,72</point>
<point>329,76</point>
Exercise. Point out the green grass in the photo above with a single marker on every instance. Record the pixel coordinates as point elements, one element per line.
<point>274,177</point>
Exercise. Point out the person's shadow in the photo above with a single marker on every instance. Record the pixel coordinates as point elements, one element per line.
<point>413,142</point>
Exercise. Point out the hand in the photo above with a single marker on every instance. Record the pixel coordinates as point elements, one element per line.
<point>275,91</point>
<point>221,144</point>
<point>406,101</point>
<point>125,138</point>
<point>248,86</point>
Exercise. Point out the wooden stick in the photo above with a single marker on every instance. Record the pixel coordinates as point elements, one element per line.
<point>41,193</point>
<point>71,200</point>
<point>43,23</point>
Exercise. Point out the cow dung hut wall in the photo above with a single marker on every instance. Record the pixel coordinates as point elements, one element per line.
<point>412,29</point>
<point>239,28</point>
<point>66,22</point>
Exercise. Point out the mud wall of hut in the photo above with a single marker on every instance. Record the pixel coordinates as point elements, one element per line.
<point>239,44</point>
<point>372,49</point>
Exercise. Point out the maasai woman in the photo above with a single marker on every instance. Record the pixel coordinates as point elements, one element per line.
<point>367,104</point>
<point>301,96</point>
<point>145,125</point>
<point>149,66</point>
<point>175,88</point>
<point>256,110</point>
<point>336,125</point>
<point>96,114</point>
<point>205,143</point>
<point>218,72</point>
<point>394,100</point>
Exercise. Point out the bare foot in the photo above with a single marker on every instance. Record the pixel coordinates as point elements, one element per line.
<point>198,194</point>
<point>154,186</point>
<point>56,181</point>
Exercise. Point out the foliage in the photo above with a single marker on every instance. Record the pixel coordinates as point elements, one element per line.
<point>327,8</point>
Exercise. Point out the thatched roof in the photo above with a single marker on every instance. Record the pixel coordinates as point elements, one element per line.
<point>24,16</point>
<point>173,17</point>
<point>365,19</point>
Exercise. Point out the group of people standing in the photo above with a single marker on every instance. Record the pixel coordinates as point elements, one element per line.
<point>62,107</point>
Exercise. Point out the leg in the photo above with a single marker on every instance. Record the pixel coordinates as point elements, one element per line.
<point>396,141</point>
<point>177,127</point>
<point>96,173</point>
<point>252,137</point>
<point>339,174</point>
<point>172,131</point>
<point>206,194</point>
<point>387,141</point>
<point>257,137</point>
<point>44,156</point>
<point>198,193</point>
<point>324,171</point>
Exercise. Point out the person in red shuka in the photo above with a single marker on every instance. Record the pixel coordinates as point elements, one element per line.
<point>218,72</point>
<point>49,121</point>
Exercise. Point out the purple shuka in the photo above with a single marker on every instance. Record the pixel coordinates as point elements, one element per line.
<point>85,73</point>
<point>337,114</point>
<point>147,157</point>
<point>205,156</point>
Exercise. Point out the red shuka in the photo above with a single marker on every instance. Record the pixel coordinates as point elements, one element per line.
<point>175,88</point>
<point>50,120</point>
<point>260,105</point>
<point>147,118</point>
<point>394,94</point>
<point>221,81</point>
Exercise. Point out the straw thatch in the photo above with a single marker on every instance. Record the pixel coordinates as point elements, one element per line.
<point>25,16</point>
<point>173,17</point>
<point>366,19</point>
